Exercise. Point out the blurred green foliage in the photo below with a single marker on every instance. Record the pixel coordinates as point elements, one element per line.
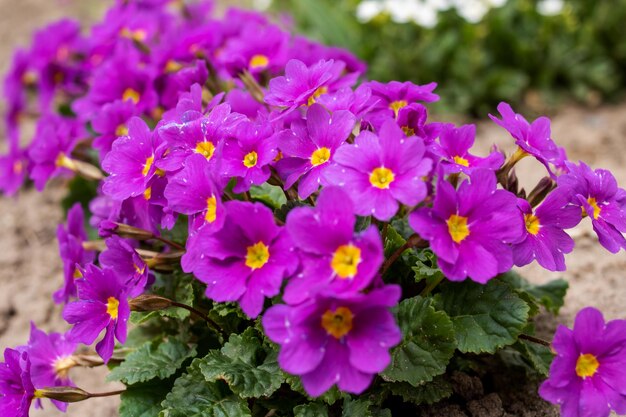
<point>514,54</point>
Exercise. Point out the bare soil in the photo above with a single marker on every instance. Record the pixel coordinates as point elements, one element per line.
<point>30,269</point>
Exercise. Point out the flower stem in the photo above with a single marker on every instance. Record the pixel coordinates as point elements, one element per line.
<point>534,340</point>
<point>107,394</point>
<point>413,242</point>
<point>170,242</point>
<point>431,286</point>
<point>212,324</point>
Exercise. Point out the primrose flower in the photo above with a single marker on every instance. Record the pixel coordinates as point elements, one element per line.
<point>16,388</point>
<point>470,229</point>
<point>544,238</point>
<point>302,85</point>
<point>533,139</point>
<point>131,162</point>
<point>204,136</point>
<point>73,255</point>
<point>193,191</point>
<point>587,375</point>
<point>332,340</point>
<point>110,123</point>
<point>412,120</point>
<point>599,197</point>
<point>122,257</point>
<point>51,359</point>
<point>246,260</point>
<point>334,258</point>
<point>248,154</point>
<point>51,149</point>
<point>379,172</point>
<point>309,146</point>
<point>13,170</point>
<point>389,98</point>
<point>102,305</point>
<point>453,149</point>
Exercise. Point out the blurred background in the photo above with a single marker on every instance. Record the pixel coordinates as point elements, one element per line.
<point>565,58</point>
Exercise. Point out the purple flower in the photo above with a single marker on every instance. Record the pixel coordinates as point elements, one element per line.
<point>122,257</point>
<point>73,255</point>
<point>180,78</point>
<point>470,229</point>
<point>12,171</point>
<point>587,376</point>
<point>389,98</point>
<point>453,149</point>
<point>597,193</point>
<point>309,146</point>
<point>302,85</point>
<point>102,305</point>
<point>248,154</point>
<point>131,162</point>
<point>51,359</point>
<point>16,388</point>
<point>193,191</point>
<point>110,123</point>
<point>357,101</point>
<point>332,340</point>
<point>51,149</point>
<point>334,258</point>
<point>412,120</point>
<point>379,172</point>
<point>544,238</point>
<point>203,135</point>
<point>533,139</point>
<point>246,260</point>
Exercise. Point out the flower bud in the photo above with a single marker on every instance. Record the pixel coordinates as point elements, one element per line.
<point>146,302</point>
<point>63,394</point>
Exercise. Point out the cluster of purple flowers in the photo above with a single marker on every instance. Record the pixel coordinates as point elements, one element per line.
<point>189,114</point>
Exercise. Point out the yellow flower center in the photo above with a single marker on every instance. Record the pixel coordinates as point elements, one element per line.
<point>320,156</point>
<point>172,66</point>
<point>62,366</point>
<point>457,227</point>
<point>205,149</point>
<point>147,165</point>
<point>397,105</point>
<point>65,162</point>
<point>250,159</point>
<point>321,90</point>
<point>139,269</point>
<point>596,209</point>
<point>346,261</point>
<point>130,94</point>
<point>257,256</point>
<point>77,274</point>
<point>587,365</point>
<point>211,209</point>
<point>113,305</point>
<point>18,167</point>
<point>121,130</point>
<point>337,323</point>
<point>259,61</point>
<point>461,161</point>
<point>381,177</point>
<point>532,223</point>
<point>408,131</point>
<point>148,193</point>
<point>139,35</point>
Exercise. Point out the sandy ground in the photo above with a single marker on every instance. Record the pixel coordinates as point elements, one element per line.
<point>30,269</point>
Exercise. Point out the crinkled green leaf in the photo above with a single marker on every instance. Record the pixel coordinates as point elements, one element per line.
<point>310,410</point>
<point>250,369</point>
<point>177,287</point>
<point>538,356</point>
<point>551,295</point>
<point>393,241</point>
<point>363,408</point>
<point>271,195</point>
<point>143,400</point>
<point>330,397</point>
<point>485,317</point>
<point>152,360</point>
<point>428,393</point>
<point>427,344</point>
<point>193,396</point>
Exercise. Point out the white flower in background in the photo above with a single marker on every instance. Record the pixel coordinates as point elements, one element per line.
<point>369,9</point>
<point>261,4</point>
<point>472,10</point>
<point>550,7</point>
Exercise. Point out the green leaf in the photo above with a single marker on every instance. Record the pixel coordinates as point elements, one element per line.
<point>178,287</point>
<point>250,369</point>
<point>538,356</point>
<point>330,397</point>
<point>310,410</point>
<point>143,400</point>
<point>193,396</point>
<point>427,343</point>
<point>551,295</point>
<point>271,195</point>
<point>393,241</point>
<point>485,317</point>
<point>152,361</point>
<point>363,408</point>
<point>428,393</point>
